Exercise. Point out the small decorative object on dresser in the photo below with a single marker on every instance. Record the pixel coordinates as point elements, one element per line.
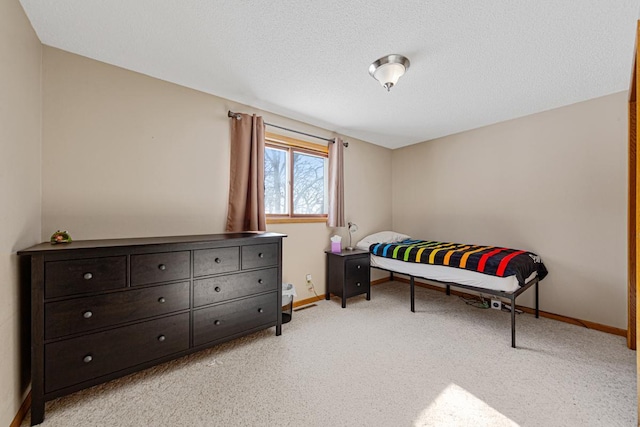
<point>60,237</point>
<point>102,309</point>
<point>348,274</point>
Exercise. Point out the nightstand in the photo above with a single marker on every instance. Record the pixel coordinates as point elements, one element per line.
<point>348,274</point>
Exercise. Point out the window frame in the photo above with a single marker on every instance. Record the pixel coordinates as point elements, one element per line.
<point>292,145</point>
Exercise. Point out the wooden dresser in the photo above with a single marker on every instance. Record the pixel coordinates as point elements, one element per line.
<point>102,309</point>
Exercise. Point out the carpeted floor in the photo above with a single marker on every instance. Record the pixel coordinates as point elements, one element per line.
<point>377,364</point>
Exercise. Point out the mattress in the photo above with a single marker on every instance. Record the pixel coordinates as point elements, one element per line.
<point>492,260</point>
<point>450,274</point>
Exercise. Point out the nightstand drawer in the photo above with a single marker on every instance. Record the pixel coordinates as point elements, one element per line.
<point>356,287</point>
<point>222,288</point>
<point>84,275</point>
<point>357,268</point>
<point>215,261</point>
<point>76,360</point>
<point>223,320</point>
<point>88,313</point>
<point>256,256</point>
<point>160,267</point>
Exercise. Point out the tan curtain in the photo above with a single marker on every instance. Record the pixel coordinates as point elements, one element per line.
<point>246,186</point>
<point>336,184</point>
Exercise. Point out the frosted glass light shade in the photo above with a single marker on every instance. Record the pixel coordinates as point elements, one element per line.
<point>388,69</point>
<point>388,74</point>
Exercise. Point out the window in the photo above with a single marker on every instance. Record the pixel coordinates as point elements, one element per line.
<point>295,180</point>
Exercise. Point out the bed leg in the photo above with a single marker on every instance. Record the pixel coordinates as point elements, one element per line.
<point>413,294</point>
<point>448,290</point>
<point>513,322</point>
<point>537,307</point>
<point>391,276</point>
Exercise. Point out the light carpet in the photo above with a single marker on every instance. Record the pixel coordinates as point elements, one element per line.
<point>377,364</point>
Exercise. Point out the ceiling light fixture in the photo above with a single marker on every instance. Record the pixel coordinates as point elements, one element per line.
<point>388,69</point>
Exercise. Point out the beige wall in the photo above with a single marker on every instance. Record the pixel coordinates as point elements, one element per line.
<point>554,183</point>
<point>129,155</point>
<point>20,145</point>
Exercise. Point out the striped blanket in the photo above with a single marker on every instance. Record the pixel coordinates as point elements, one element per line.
<point>492,260</point>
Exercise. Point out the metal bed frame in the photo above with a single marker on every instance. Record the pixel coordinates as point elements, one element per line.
<point>509,295</point>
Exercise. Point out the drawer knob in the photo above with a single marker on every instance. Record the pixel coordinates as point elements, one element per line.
<point>217,289</point>
<point>161,300</point>
<point>260,255</point>
<point>161,338</point>
<point>87,314</point>
<point>217,322</point>
<point>358,267</point>
<point>162,267</point>
<point>88,276</point>
<point>88,358</point>
<point>260,281</point>
<point>260,310</point>
<point>218,260</point>
<point>358,284</point>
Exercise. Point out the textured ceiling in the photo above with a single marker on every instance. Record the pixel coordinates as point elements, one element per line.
<point>473,62</point>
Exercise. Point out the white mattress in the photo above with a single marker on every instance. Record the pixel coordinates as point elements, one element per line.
<point>443,273</point>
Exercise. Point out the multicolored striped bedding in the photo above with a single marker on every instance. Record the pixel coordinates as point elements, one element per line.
<point>492,260</point>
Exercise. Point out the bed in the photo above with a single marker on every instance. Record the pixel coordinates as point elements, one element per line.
<point>501,272</point>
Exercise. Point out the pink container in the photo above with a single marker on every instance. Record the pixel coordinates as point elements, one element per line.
<point>335,247</point>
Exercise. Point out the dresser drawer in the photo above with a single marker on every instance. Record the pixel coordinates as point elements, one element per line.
<point>223,320</point>
<point>76,360</point>
<point>84,314</point>
<point>160,267</point>
<point>222,288</point>
<point>256,256</point>
<point>84,275</point>
<point>214,261</point>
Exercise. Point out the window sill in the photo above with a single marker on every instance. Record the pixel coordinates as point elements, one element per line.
<point>295,220</point>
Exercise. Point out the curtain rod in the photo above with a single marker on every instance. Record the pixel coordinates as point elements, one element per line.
<point>237,116</point>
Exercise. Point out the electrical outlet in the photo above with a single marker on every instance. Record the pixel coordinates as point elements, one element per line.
<point>496,304</point>
<point>310,284</point>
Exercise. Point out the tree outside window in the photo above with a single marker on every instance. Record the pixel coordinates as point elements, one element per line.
<point>295,179</point>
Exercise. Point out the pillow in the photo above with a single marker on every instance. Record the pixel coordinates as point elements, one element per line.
<point>381,237</point>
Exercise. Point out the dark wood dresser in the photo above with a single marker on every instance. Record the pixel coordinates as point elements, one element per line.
<point>102,309</point>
